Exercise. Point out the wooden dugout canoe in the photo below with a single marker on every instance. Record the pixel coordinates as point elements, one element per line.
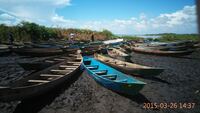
<point>146,50</point>
<point>115,53</point>
<point>129,68</point>
<point>42,81</point>
<point>111,78</point>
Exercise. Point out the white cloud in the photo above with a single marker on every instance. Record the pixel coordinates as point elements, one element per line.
<point>33,10</point>
<point>184,16</point>
<point>182,21</point>
<point>59,21</point>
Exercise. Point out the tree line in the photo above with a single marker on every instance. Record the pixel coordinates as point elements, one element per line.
<point>27,31</point>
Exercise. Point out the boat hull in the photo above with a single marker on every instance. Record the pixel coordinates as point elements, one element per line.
<point>162,53</point>
<point>127,88</point>
<point>37,52</point>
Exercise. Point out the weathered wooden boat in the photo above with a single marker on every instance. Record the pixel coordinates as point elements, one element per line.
<point>37,52</point>
<point>173,48</point>
<point>69,50</point>
<point>45,45</point>
<point>115,53</point>
<point>120,49</point>
<point>127,47</point>
<point>90,50</point>
<point>129,68</point>
<point>146,50</point>
<point>42,81</point>
<point>166,48</point>
<point>187,43</point>
<point>111,78</point>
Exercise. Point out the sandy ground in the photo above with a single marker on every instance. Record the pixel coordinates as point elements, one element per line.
<point>81,94</point>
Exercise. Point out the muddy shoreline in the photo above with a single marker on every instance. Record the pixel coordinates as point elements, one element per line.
<point>178,83</point>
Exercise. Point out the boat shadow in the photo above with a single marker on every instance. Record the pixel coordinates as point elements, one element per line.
<point>139,98</point>
<point>35,104</point>
<point>157,80</point>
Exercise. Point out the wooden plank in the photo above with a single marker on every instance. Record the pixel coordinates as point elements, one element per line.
<point>65,57</point>
<point>59,59</point>
<point>101,72</point>
<point>73,55</point>
<point>66,66</point>
<point>49,61</point>
<point>2,87</point>
<point>58,70</point>
<point>73,62</point>
<point>51,75</point>
<point>38,81</point>
<point>78,58</point>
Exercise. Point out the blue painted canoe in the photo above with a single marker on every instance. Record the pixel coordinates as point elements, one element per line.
<point>111,78</point>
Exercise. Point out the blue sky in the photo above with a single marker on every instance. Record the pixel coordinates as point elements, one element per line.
<point>118,16</point>
<point>122,9</point>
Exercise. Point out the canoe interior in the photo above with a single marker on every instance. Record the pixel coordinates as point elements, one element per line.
<point>23,82</point>
<point>39,65</point>
<point>39,82</point>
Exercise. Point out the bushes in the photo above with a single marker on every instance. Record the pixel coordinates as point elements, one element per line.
<point>178,37</point>
<point>26,31</point>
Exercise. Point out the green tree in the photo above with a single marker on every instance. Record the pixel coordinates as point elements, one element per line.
<point>107,33</point>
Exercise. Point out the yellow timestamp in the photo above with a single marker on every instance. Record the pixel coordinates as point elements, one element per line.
<point>171,105</point>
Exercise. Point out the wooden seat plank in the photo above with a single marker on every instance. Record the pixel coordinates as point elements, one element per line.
<point>38,81</point>
<point>51,75</point>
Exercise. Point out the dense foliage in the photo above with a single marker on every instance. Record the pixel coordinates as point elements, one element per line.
<point>26,31</point>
